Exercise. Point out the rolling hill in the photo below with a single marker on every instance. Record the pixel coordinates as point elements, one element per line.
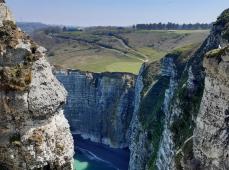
<point>114,49</point>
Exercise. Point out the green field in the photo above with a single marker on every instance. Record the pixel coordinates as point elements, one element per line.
<point>101,49</point>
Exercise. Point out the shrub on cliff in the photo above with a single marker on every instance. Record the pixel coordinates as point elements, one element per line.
<point>222,24</point>
<point>223,19</point>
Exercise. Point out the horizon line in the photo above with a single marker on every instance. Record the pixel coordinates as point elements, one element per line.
<point>52,24</point>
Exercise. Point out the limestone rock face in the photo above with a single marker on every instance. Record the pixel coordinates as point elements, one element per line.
<point>139,146</point>
<point>147,136</point>
<point>34,133</point>
<point>5,13</point>
<point>211,134</point>
<point>188,130</point>
<point>162,128</point>
<point>100,105</point>
<point>166,149</point>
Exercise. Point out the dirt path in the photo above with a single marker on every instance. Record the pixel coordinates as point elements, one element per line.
<point>129,48</point>
<point>180,150</point>
<point>103,47</point>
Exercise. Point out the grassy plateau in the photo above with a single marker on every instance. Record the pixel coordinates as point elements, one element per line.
<point>113,49</point>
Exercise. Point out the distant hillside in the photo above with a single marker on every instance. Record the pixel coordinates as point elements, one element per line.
<point>29,27</point>
<point>114,49</point>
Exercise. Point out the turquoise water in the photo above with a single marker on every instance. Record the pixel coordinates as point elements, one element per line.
<point>87,161</point>
<point>95,156</point>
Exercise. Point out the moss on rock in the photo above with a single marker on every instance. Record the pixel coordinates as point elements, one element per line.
<point>216,53</point>
<point>15,78</point>
<point>152,116</point>
<point>188,101</point>
<point>15,62</point>
<point>37,137</point>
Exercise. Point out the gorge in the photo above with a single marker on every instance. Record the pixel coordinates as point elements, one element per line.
<point>169,107</point>
<point>173,115</point>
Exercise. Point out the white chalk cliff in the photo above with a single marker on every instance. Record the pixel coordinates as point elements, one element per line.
<point>34,133</point>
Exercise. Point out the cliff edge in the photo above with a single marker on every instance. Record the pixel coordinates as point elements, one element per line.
<point>188,129</point>
<point>34,133</point>
<point>211,146</point>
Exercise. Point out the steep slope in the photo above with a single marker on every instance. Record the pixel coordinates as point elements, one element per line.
<point>34,133</point>
<point>99,106</point>
<point>211,134</point>
<point>182,130</point>
<point>154,91</point>
<point>201,108</point>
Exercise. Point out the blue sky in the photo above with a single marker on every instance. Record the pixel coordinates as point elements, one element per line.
<point>116,12</point>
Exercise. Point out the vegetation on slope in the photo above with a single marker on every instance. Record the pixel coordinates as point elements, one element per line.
<point>222,24</point>
<point>182,128</point>
<point>189,99</point>
<point>151,108</point>
<point>152,116</point>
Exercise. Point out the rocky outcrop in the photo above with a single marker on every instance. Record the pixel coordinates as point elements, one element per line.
<point>164,159</point>
<point>5,13</point>
<point>210,139</point>
<point>150,137</point>
<point>189,129</point>
<point>34,133</point>
<point>139,146</point>
<point>211,135</point>
<point>100,105</point>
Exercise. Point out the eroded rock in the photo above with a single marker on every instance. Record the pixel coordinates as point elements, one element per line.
<point>34,133</point>
<point>211,134</point>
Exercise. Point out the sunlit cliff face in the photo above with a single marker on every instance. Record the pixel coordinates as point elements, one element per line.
<point>5,14</point>
<point>33,130</point>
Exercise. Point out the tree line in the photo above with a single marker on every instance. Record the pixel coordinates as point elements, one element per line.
<point>173,26</point>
